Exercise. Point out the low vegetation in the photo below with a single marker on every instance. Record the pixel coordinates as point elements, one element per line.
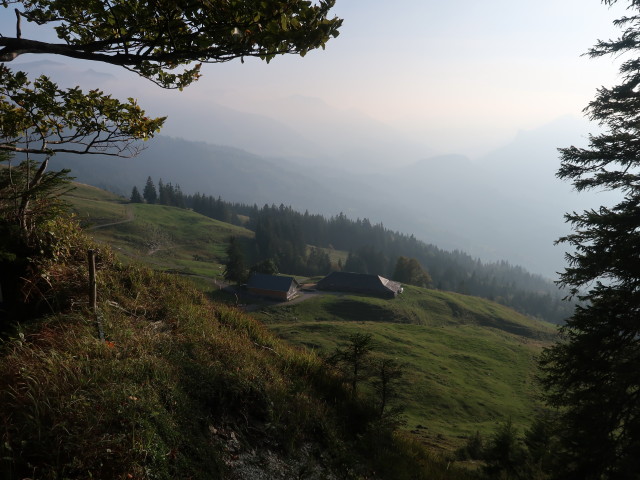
<point>179,388</point>
<point>182,387</point>
<point>163,237</point>
<point>470,363</point>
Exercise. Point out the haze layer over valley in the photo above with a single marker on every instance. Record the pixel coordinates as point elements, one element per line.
<point>504,206</point>
<point>454,141</point>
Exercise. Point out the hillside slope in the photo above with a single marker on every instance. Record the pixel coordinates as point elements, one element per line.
<point>166,238</point>
<point>470,363</point>
<point>179,388</point>
<point>446,200</point>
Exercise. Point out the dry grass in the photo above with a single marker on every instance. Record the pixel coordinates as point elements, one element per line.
<point>175,377</point>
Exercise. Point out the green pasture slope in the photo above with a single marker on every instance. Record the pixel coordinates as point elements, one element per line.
<point>165,238</point>
<point>95,206</point>
<point>470,363</point>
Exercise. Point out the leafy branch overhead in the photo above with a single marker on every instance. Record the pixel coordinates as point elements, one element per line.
<point>167,40</point>
<point>164,41</point>
<point>39,117</point>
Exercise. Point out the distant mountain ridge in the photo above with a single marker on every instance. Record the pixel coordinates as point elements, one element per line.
<point>304,129</point>
<point>234,174</point>
<point>499,208</point>
<point>300,151</point>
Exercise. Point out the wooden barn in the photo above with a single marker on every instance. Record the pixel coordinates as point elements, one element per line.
<point>360,283</point>
<point>275,287</point>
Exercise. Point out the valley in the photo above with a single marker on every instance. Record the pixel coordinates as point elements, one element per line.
<point>402,258</point>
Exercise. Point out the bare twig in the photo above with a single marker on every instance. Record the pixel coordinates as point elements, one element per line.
<point>266,348</point>
<point>18,29</point>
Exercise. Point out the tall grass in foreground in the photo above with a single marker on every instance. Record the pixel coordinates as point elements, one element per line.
<point>180,388</point>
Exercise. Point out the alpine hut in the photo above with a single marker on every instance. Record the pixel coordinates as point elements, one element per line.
<point>360,283</point>
<point>275,287</point>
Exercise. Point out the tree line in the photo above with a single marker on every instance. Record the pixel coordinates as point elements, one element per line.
<point>296,243</point>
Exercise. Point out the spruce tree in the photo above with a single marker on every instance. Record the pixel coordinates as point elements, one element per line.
<point>149,193</point>
<point>135,195</point>
<point>593,373</point>
<point>388,373</point>
<point>235,270</point>
<point>504,456</point>
<point>355,358</point>
<point>162,193</point>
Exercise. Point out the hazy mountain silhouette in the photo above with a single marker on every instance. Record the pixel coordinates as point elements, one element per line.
<point>351,140</point>
<point>303,152</point>
<point>508,206</point>
<point>304,129</point>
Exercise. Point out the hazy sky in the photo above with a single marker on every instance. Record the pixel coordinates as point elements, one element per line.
<point>462,75</point>
<point>458,72</point>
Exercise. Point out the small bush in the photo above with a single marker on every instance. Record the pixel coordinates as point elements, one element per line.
<point>473,449</point>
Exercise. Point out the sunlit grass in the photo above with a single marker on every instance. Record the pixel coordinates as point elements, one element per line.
<point>165,238</point>
<point>470,363</point>
<point>173,369</point>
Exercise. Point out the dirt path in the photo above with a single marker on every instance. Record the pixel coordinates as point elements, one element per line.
<point>130,218</point>
<point>252,307</point>
<point>304,295</point>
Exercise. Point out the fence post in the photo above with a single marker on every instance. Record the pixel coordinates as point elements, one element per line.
<point>93,291</point>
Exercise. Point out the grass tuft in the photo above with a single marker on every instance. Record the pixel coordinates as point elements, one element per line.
<point>179,388</point>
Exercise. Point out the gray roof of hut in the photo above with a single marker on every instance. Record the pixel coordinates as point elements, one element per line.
<point>274,283</point>
<point>359,282</point>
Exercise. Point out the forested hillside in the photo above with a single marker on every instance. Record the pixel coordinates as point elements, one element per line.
<point>283,235</point>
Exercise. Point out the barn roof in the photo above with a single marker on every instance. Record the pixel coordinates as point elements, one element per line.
<point>359,282</point>
<point>275,283</point>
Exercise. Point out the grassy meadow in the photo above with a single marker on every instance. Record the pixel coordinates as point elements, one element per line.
<point>179,388</point>
<point>469,363</point>
<point>165,238</point>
